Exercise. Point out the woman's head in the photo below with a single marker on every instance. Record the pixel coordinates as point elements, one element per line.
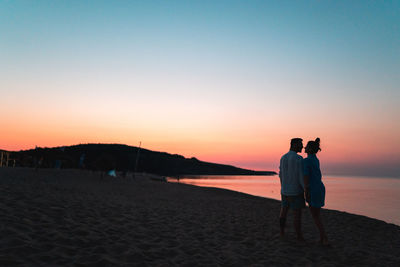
<point>313,147</point>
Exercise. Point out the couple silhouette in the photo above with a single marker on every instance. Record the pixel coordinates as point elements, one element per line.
<point>301,182</point>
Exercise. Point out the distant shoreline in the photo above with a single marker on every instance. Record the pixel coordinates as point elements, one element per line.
<point>120,157</point>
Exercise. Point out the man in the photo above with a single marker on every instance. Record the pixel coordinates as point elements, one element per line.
<point>292,186</point>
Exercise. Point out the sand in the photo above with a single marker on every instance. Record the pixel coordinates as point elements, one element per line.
<point>71,217</point>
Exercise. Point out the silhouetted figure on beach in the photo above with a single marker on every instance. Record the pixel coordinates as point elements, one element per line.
<point>292,186</point>
<point>38,158</point>
<point>82,161</point>
<point>314,188</point>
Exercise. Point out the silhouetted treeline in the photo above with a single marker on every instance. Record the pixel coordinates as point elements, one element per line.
<point>123,158</point>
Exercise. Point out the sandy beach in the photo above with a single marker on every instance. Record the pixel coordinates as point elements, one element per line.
<point>71,217</point>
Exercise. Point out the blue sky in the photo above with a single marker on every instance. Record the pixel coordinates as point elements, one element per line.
<point>256,71</point>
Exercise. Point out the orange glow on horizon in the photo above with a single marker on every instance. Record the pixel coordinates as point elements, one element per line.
<point>245,143</point>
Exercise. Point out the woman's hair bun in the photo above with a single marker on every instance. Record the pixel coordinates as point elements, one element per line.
<point>313,146</point>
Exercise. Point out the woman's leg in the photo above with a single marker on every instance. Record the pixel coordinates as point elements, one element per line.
<point>315,212</point>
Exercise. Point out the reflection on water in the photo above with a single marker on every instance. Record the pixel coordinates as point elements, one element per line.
<point>373,197</point>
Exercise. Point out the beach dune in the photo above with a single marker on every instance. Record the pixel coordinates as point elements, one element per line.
<point>72,217</point>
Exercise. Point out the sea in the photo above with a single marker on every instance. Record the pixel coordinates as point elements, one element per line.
<point>375,197</point>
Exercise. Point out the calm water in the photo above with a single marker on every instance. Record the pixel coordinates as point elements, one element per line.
<point>370,196</point>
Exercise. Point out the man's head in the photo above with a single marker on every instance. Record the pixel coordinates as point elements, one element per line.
<point>296,145</point>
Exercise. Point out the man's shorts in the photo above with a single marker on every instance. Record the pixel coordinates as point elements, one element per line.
<point>293,202</point>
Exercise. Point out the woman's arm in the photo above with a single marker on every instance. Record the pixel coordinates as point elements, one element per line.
<point>307,188</point>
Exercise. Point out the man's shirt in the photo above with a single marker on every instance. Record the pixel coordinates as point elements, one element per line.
<point>291,174</point>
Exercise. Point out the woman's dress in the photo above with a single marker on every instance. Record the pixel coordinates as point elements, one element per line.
<point>317,188</point>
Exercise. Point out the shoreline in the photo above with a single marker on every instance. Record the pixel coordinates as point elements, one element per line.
<point>67,217</point>
<point>381,206</point>
<point>273,199</point>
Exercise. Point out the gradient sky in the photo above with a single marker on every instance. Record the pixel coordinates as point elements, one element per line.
<point>223,81</point>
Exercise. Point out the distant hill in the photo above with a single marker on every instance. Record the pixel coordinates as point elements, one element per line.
<point>123,158</point>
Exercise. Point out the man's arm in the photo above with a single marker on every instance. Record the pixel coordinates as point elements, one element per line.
<point>301,172</point>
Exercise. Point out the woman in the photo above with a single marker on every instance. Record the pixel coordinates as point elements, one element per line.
<point>314,188</point>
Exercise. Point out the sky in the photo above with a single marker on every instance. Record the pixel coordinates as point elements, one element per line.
<point>223,81</point>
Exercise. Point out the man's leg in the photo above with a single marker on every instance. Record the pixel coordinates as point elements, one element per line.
<point>282,219</point>
<point>297,223</point>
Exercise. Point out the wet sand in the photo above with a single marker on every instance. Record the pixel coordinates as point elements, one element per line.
<point>72,217</point>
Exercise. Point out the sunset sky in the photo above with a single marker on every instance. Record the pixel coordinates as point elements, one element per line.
<point>224,81</point>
